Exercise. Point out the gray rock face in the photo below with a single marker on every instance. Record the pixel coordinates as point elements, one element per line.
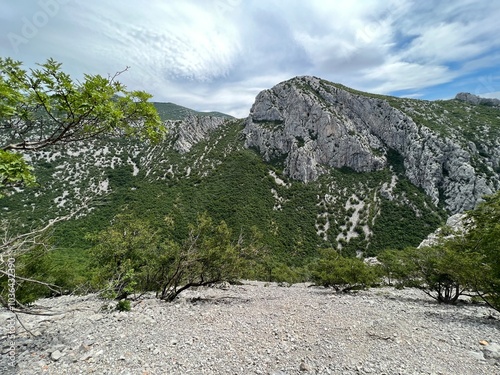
<point>477,100</point>
<point>193,130</point>
<point>312,124</point>
<point>456,226</point>
<point>290,121</point>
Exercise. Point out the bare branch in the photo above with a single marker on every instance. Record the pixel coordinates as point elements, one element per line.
<point>55,288</point>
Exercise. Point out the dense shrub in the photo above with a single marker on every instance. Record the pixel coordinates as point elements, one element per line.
<point>342,273</point>
<point>130,256</point>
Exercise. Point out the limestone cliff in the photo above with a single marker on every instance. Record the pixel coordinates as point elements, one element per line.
<point>193,129</point>
<point>313,124</point>
<point>477,100</point>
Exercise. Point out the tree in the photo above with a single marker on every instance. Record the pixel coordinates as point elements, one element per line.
<point>206,257</point>
<point>393,267</point>
<point>342,273</point>
<point>122,254</point>
<point>444,271</point>
<point>130,256</point>
<point>14,171</point>
<point>483,237</point>
<point>45,106</point>
<point>467,263</point>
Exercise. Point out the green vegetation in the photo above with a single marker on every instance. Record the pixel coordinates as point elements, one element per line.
<point>233,184</point>
<point>341,273</point>
<point>164,221</point>
<point>45,106</point>
<point>484,238</point>
<point>440,271</point>
<point>14,171</point>
<point>130,256</point>
<point>466,264</point>
<point>39,109</point>
<point>171,111</point>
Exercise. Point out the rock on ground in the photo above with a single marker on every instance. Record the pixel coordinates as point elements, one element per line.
<point>258,328</point>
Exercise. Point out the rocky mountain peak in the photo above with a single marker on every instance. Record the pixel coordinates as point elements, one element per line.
<point>306,123</point>
<point>314,125</point>
<point>477,100</point>
<point>192,130</point>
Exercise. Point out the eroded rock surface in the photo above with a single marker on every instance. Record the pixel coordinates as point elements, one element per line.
<point>312,124</point>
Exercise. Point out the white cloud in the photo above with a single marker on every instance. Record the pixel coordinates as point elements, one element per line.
<point>399,75</point>
<point>446,42</point>
<point>177,40</point>
<point>218,54</point>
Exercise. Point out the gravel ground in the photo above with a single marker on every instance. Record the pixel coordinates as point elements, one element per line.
<point>258,328</point>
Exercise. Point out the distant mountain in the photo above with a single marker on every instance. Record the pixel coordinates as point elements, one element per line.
<point>171,111</point>
<point>477,100</point>
<point>449,149</point>
<point>315,164</point>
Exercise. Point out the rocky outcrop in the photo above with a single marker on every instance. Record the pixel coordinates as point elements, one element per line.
<point>313,124</point>
<point>290,121</point>
<point>192,130</point>
<point>455,226</point>
<point>477,100</point>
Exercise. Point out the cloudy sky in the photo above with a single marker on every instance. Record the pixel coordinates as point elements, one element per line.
<point>219,54</point>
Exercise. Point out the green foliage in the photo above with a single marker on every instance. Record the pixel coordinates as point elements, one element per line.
<point>461,265</point>
<point>14,171</point>
<point>233,184</point>
<point>394,267</point>
<point>45,106</point>
<point>399,225</point>
<point>61,271</point>
<point>207,256</point>
<point>123,254</point>
<point>123,305</point>
<point>444,271</point>
<point>287,275</point>
<point>131,256</point>
<point>484,238</point>
<point>171,111</point>
<point>342,273</point>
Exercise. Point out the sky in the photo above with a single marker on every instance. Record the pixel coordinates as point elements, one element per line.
<point>219,54</point>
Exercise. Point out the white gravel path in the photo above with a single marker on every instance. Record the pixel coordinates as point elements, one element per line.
<point>259,328</point>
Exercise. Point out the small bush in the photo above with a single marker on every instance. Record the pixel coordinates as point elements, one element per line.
<point>441,271</point>
<point>342,273</point>
<point>123,305</point>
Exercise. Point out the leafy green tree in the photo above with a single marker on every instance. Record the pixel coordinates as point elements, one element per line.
<point>342,273</point>
<point>483,237</point>
<point>122,255</point>
<point>131,256</point>
<point>444,271</point>
<point>467,263</point>
<point>14,171</point>
<point>393,267</point>
<point>206,257</point>
<point>45,106</point>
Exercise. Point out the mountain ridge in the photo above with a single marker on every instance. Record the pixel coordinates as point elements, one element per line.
<point>361,129</point>
<point>279,171</point>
